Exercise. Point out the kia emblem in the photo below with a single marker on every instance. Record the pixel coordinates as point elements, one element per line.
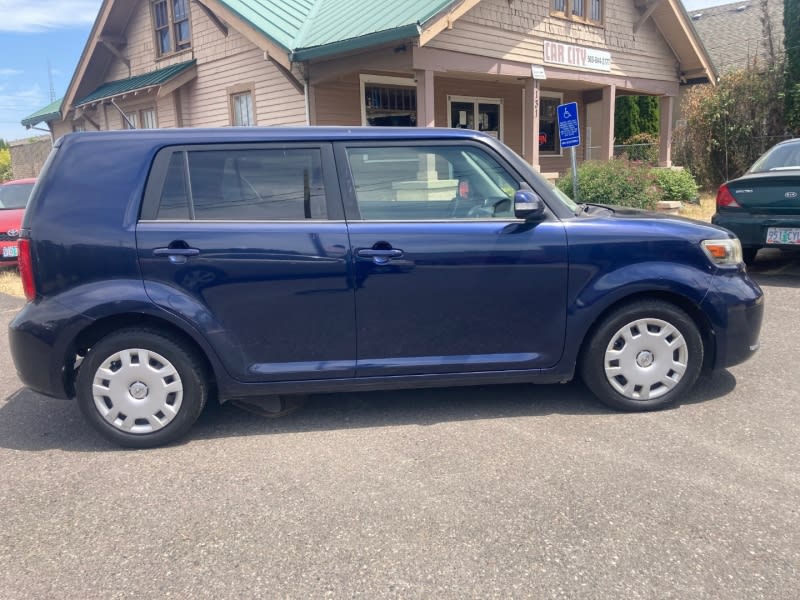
<point>791,194</point>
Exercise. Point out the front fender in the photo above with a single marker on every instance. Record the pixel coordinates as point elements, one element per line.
<point>593,292</point>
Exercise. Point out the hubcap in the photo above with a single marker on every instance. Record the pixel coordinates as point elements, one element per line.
<point>645,359</point>
<point>137,391</point>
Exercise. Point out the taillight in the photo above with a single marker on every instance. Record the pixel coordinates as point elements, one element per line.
<point>725,198</point>
<point>25,265</point>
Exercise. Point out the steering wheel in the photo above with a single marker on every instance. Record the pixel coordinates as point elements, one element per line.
<point>489,207</point>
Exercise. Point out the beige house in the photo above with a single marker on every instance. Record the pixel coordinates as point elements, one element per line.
<point>501,66</point>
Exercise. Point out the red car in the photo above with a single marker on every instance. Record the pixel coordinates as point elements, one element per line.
<point>13,199</point>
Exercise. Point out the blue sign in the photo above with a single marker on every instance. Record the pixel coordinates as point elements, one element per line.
<point>568,129</point>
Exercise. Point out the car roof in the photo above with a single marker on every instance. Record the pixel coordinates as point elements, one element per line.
<point>261,134</point>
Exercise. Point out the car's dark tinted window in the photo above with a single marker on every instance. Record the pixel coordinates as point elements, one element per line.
<point>244,185</point>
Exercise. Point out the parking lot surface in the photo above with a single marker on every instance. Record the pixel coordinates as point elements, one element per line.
<point>507,491</point>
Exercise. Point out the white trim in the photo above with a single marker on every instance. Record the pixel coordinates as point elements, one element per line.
<point>475,100</point>
<point>385,79</point>
<point>560,97</point>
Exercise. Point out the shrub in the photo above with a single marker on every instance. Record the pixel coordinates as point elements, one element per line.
<point>642,147</point>
<point>676,184</point>
<point>626,183</point>
<point>617,182</point>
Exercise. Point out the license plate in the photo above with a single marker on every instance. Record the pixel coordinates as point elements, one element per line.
<point>10,252</point>
<point>783,235</point>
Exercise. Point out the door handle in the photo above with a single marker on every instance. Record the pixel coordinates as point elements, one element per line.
<point>379,256</point>
<point>177,256</point>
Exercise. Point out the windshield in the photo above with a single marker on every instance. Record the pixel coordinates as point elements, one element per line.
<point>783,157</point>
<point>15,195</point>
<point>568,202</point>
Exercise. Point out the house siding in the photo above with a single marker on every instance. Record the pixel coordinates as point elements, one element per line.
<point>222,62</point>
<point>497,29</point>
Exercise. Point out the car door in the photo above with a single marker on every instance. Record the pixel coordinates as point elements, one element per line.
<point>447,279</point>
<point>248,242</point>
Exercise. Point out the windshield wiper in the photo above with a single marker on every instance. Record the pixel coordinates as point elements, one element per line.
<point>587,207</point>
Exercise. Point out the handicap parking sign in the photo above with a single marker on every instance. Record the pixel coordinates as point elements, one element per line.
<point>568,128</point>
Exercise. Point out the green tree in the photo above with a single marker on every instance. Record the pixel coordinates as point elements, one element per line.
<point>648,114</point>
<point>5,164</point>
<point>3,144</point>
<point>791,32</point>
<point>626,118</point>
<point>728,126</point>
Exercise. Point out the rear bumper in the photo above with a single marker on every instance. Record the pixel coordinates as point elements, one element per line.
<point>752,229</point>
<point>40,338</point>
<point>736,306</point>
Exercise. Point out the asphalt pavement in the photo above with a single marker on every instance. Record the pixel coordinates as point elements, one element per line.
<point>492,492</point>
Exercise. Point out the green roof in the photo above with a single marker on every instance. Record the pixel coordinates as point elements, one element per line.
<point>147,80</point>
<point>51,112</point>
<point>315,28</point>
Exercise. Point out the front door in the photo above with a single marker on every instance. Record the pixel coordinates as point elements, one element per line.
<point>447,279</point>
<point>249,244</point>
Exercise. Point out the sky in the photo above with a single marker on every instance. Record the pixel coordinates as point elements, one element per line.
<point>43,37</point>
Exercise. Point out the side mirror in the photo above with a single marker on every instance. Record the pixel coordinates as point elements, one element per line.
<point>528,205</point>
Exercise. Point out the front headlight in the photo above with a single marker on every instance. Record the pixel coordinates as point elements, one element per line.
<point>723,253</point>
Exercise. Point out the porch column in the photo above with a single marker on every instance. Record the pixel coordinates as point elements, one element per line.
<point>607,129</point>
<point>425,108</point>
<point>530,123</point>
<point>665,108</point>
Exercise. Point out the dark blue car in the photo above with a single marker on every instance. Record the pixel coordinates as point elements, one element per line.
<point>167,267</point>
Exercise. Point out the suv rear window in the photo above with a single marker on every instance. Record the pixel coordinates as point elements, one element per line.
<point>243,185</point>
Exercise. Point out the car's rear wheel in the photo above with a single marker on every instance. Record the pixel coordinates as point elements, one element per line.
<point>141,389</point>
<point>642,356</point>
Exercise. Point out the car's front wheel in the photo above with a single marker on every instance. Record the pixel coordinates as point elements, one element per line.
<point>141,389</point>
<point>642,356</point>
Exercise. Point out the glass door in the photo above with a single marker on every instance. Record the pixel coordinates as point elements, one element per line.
<point>483,114</point>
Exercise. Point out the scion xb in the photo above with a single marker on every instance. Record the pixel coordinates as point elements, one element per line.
<point>164,268</point>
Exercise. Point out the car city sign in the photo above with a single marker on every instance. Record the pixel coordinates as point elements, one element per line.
<point>577,56</point>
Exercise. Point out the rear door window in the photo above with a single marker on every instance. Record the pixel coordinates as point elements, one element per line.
<point>252,184</point>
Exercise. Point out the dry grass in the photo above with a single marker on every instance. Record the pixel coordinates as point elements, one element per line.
<point>702,211</point>
<point>10,283</point>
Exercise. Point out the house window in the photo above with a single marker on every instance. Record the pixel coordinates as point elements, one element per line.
<point>549,143</point>
<point>171,24</point>
<point>388,101</point>
<point>148,118</point>
<point>140,119</point>
<point>242,109</point>
<point>588,11</point>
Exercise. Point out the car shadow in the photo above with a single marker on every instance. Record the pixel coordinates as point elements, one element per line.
<point>32,422</point>
<point>776,268</point>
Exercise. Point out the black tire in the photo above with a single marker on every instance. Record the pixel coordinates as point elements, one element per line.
<point>749,254</point>
<point>174,388</point>
<point>649,359</point>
